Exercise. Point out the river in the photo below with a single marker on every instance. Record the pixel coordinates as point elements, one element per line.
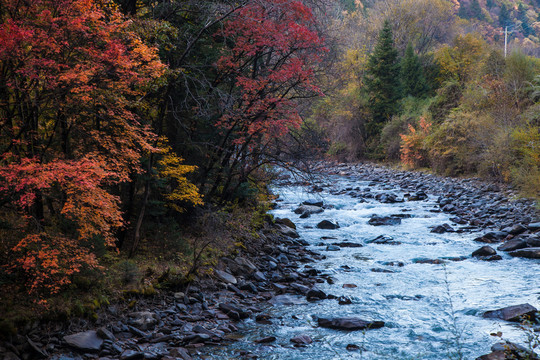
<point>431,311</point>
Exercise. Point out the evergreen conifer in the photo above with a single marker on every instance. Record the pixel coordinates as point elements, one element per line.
<point>412,74</point>
<point>382,82</point>
<point>504,16</point>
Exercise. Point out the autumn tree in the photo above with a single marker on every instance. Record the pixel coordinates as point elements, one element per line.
<point>73,77</point>
<point>382,82</point>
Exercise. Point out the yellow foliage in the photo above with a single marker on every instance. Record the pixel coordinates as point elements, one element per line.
<point>461,60</point>
<point>526,170</point>
<point>172,169</point>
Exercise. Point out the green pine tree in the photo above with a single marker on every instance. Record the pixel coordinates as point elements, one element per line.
<point>464,11</point>
<point>526,28</point>
<point>412,74</point>
<point>490,3</point>
<point>504,16</point>
<point>476,10</point>
<point>382,83</point>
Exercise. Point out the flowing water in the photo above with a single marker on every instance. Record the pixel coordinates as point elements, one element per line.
<point>432,311</point>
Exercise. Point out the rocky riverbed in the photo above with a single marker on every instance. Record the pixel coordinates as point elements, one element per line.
<point>321,290</point>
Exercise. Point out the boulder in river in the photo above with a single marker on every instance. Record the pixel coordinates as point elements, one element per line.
<point>383,239</point>
<point>441,229</point>
<point>511,245</point>
<point>348,244</point>
<point>328,225</point>
<point>512,313</point>
<point>529,253</point>
<point>287,231</point>
<point>302,340</point>
<point>484,251</point>
<point>384,220</point>
<point>308,210</point>
<point>349,323</point>
<point>286,222</point>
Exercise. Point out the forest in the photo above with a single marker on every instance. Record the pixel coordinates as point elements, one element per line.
<point>141,134</point>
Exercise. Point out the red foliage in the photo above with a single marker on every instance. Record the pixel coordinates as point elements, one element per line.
<point>71,74</point>
<point>412,147</point>
<point>271,63</point>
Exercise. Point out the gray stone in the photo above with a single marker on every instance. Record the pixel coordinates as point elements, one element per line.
<point>511,245</point>
<point>287,231</point>
<point>441,229</point>
<point>349,323</point>
<point>512,313</point>
<point>308,209</point>
<point>302,340</point>
<point>384,220</point>
<point>287,300</point>
<point>245,263</point>
<point>86,341</point>
<point>143,320</point>
<point>328,225</point>
<point>529,253</point>
<point>484,251</point>
<point>225,276</point>
<point>333,248</point>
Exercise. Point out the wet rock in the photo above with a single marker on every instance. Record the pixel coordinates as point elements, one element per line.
<point>492,237</point>
<point>197,338</point>
<point>308,210</point>
<point>417,196</point>
<point>384,220</point>
<point>332,248</point>
<point>511,245</point>
<point>344,300</point>
<point>287,300</point>
<point>132,355</point>
<point>383,239</point>
<point>287,231</point>
<point>302,340</point>
<point>263,319</point>
<point>379,270</point>
<point>484,251</point>
<point>180,353</point>
<point>232,311</point>
<point>105,334</point>
<point>458,220</point>
<point>259,276</point>
<point>38,351</point>
<point>316,294</point>
<point>352,347</point>
<point>285,221</point>
<point>349,323</point>
<point>328,225</point>
<point>85,341</point>
<point>225,277</point>
<point>516,229</point>
<point>388,198</point>
<point>143,320</point>
<point>534,226</point>
<point>441,229</point>
<point>266,340</point>
<point>349,286</point>
<point>529,253</point>
<point>428,261</point>
<point>512,313</point>
<point>313,203</point>
<point>348,244</point>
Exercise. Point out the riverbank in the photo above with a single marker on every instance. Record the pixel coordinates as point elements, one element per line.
<point>276,266</point>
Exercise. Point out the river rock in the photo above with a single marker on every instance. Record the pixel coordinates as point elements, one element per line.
<point>302,340</point>
<point>534,226</point>
<point>143,320</point>
<point>484,251</point>
<point>328,225</point>
<point>232,311</point>
<point>516,229</point>
<point>266,340</point>
<point>348,244</point>
<point>417,196</point>
<point>512,313</point>
<point>441,229</point>
<point>529,253</point>
<point>332,248</point>
<point>285,221</point>
<point>85,341</point>
<point>384,220</point>
<point>492,237</point>
<point>225,277</point>
<point>349,323</point>
<point>316,294</point>
<point>511,245</point>
<point>388,198</point>
<point>313,203</point>
<point>287,231</point>
<point>245,263</point>
<point>383,239</point>
<point>533,240</point>
<point>344,300</point>
<point>308,210</point>
<point>132,355</point>
<point>287,300</point>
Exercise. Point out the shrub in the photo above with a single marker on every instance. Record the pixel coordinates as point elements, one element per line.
<point>413,153</point>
